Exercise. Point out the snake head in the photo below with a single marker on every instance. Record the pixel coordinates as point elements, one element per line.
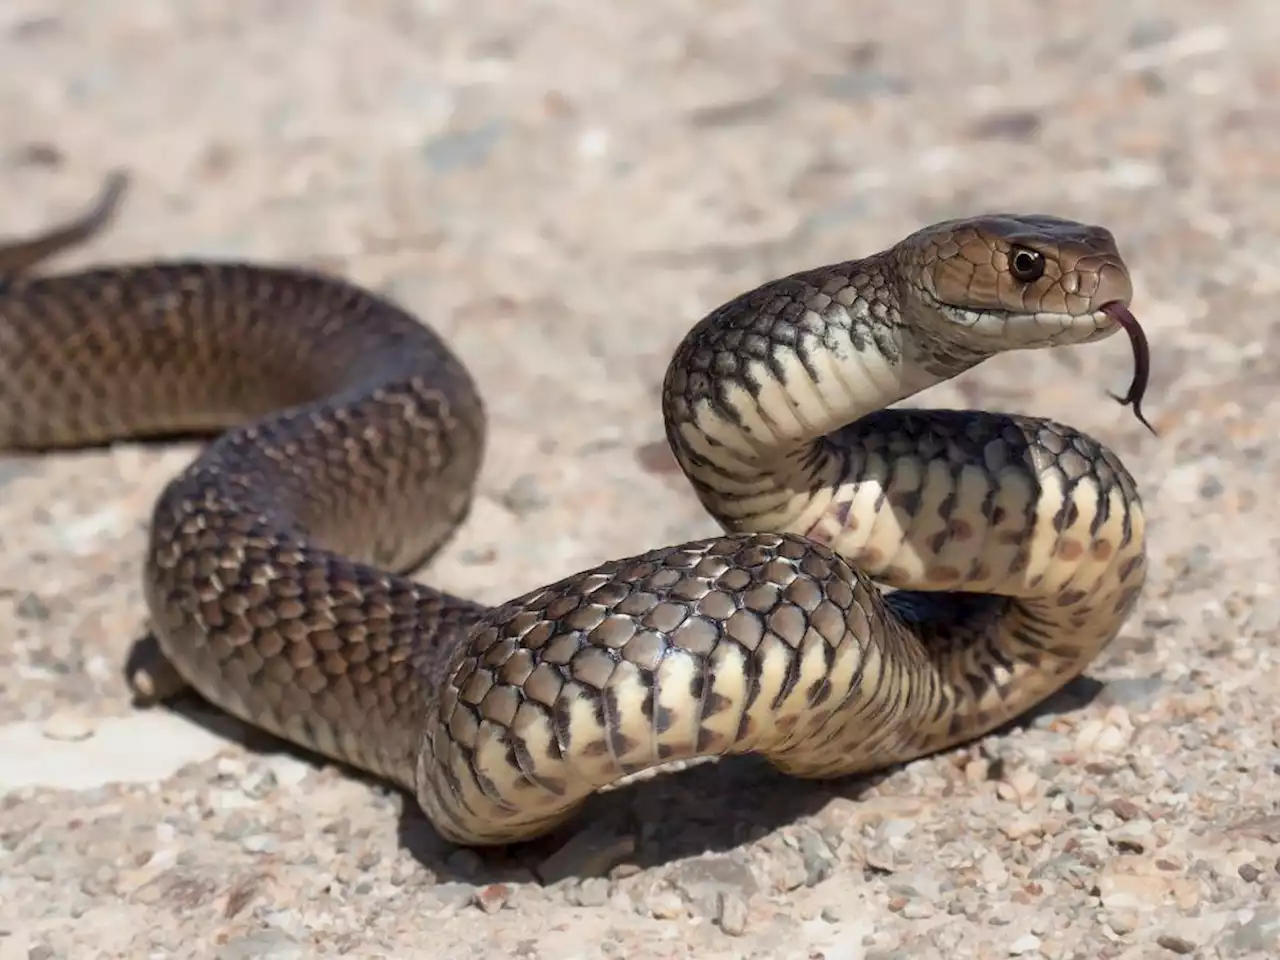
<point>1016,281</point>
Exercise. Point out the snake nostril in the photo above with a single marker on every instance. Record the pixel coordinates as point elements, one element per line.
<point>1113,285</point>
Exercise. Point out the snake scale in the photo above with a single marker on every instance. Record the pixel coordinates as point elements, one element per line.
<point>347,441</point>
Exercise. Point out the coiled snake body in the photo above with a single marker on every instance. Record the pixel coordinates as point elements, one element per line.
<point>274,574</point>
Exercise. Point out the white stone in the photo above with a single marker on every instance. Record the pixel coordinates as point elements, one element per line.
<point>143,747</point>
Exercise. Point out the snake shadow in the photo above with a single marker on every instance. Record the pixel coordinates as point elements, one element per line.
<point>713,806</point>
<point>708,807</point>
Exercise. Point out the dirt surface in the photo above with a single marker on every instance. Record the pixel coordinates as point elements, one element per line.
<point>562,188</point>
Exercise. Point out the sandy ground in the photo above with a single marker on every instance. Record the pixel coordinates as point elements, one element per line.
<point>562,188</point>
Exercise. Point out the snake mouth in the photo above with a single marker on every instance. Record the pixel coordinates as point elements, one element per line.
<point>1121,315</point>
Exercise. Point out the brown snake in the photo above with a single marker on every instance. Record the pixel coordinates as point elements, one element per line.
<point>353,438</point>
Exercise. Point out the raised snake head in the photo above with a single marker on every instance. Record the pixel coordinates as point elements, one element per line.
<point>1000,282</point>
<point>1004,281</point>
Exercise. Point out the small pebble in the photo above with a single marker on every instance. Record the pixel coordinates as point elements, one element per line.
<point>1174,944</point>
<point>229,768</point>
<point>259,784</point>
<point>260,843</point>
<point>1001,915</point>
<point>896,830</point>
<point>1024,783</point>
<point>992,869</point>
<point>524,496</point>
<point>1100,738</point>
<point>68,726</point>
<point>1020,825</point>
<point>454,894</point>
<point>1131,837</point>
<point>268,944</point>
<point>817,857</point>
<point>1123,922</point>
<point>880,857</point>
<point>32,607</point>
<point>666,905</point>
<point>1125,809</point>
<point>732,914</point>
<point>1027,943</point>
<point>493,897</point>
<point>917,910</point>
<point>592,892</point>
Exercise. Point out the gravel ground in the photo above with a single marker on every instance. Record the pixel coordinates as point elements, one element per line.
<point>562,188</point>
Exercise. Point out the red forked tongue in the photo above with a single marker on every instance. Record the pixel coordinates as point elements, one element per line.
<point>1141,360</point>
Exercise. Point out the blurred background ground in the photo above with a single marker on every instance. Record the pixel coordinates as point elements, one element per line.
<point>562,188</point>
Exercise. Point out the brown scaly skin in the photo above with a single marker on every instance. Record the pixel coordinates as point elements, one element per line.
<point>274,573</point>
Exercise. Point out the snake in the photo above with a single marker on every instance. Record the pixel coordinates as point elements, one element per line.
<point>889,582</point>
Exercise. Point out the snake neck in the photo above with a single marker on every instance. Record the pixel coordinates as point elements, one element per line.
<point>760,392</point>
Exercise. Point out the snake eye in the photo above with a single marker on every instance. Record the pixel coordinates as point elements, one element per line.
<point>1027,266</point>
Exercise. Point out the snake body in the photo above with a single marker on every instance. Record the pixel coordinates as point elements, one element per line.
<point>349,439</point>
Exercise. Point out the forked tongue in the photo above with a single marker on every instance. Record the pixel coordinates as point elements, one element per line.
<point>1141,360</point>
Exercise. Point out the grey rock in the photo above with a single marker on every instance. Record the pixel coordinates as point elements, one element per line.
<point>463,149</point>
<point>592,892</point>
<point>919,885</point>
<point>1132,691</point>
<point>271,944</point>
<point>32,607</point>
<point>260,843</point>
<point>1175,944</point>
<point>732,914</point>
<point>453,894</point>
<point>1256,937</point>
<point>524,496</point>
<point>705,878</point>
<point>818,859</point>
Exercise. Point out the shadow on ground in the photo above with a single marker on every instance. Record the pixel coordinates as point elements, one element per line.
<point>710,807</point>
